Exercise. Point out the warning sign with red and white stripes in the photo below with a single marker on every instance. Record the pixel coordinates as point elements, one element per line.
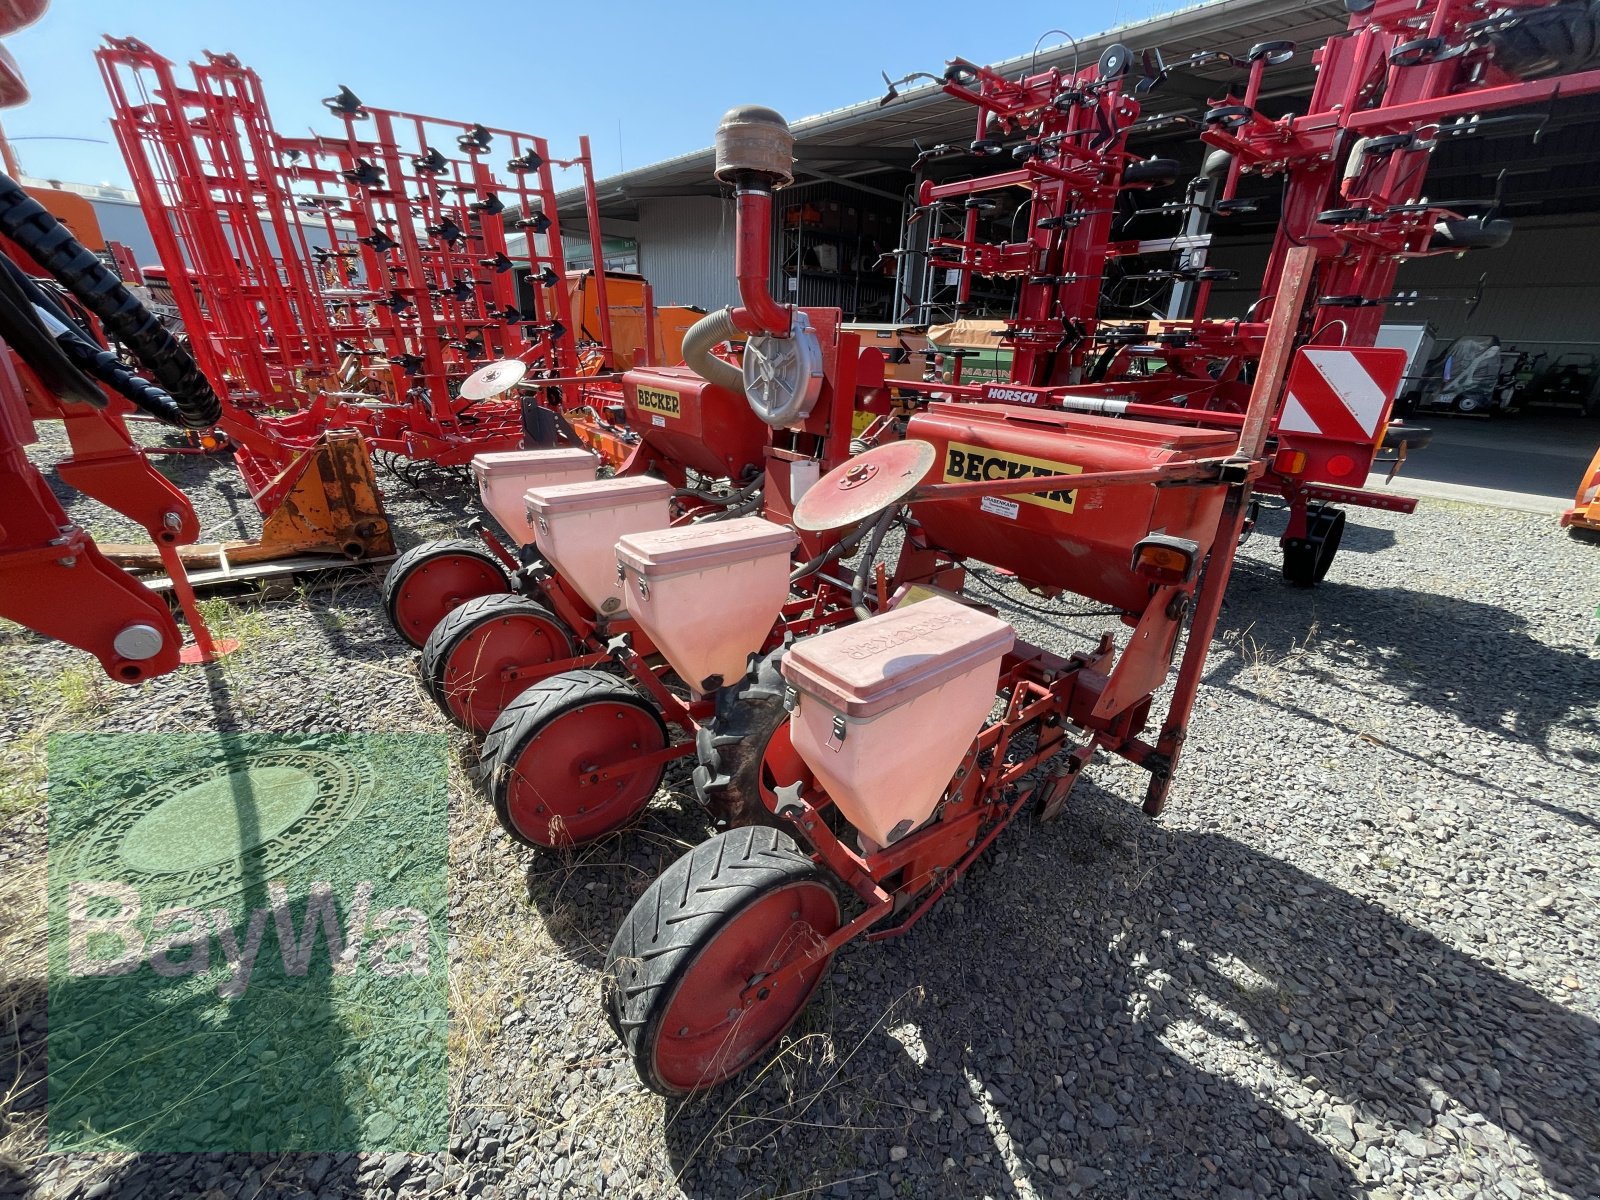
<point>1343,394</point>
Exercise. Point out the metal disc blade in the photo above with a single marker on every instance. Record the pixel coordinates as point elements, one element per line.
<point>868,483</point>
<point>493,379</point>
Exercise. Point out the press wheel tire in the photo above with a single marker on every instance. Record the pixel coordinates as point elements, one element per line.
<point>732,746</point>
<point>429,581</point>
<point>550,738</point>
<point>1306,560</point>
<point>464,656</point>
<point>734,909</point>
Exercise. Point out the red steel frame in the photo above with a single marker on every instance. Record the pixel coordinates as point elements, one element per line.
<point>1401,72</point>
<point>53,578</point>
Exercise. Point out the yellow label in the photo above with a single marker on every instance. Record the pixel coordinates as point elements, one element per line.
<point>968,464</point>
<point>860,421</point>
<point>659,400</point>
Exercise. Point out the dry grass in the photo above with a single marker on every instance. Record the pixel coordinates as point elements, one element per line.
<point>22,994</point>
<point>1269,674</point>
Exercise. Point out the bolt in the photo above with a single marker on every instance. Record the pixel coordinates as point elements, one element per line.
<point>172,520</point>
<point>138,642</point>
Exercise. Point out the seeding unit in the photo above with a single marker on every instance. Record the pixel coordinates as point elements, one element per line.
<point>883,756</point>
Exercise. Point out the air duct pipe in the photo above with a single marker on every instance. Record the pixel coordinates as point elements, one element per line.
<point>755,153</point>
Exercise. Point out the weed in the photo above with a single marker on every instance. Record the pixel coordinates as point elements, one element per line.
<point>248,623</point>
<point>83,689</point>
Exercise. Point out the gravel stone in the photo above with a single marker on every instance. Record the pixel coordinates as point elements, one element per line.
<point>1357,953</point>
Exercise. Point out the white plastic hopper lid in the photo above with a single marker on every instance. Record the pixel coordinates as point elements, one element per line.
<point>596,493</point>
<point>865,668</point>
<point>700,547</point>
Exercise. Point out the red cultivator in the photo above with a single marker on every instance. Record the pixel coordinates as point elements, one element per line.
<point>1405,78</point>
<point>335,286</point>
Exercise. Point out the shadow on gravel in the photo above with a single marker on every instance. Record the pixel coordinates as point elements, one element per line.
<point>1022,1040</point>
<point>1476,661</point>
<point>1365,539</point>
<point>583,895</point>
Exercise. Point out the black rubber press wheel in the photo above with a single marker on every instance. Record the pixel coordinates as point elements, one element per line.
<point>741,758</point>
<point>543,755</point>
<point>429,581</point>
<point>1306,560</point>
<point>466,656</point>
<point>683,980</point>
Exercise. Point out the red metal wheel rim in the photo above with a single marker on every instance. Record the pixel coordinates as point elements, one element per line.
<point>705,1035</point>
<point>550,797</point>
<point>474,685</point>
<point>436,586</point>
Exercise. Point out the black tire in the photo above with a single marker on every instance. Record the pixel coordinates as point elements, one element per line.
<point>732,745</point>
<point>1151,172</point>
<point>462,622</point>
<point>683,912</point>
<point>1559,39</point>
<point>51,244</point>
<point>1306,560</point>
<point>419,558</point>
<point>505,770</point>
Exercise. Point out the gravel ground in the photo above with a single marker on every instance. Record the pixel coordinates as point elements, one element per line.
<point>1357,956</point>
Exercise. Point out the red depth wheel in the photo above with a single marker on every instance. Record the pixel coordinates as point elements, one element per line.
<point>683,983</point>
<point>428,581</point>
<point>546,754</point>
<point>467,657</point>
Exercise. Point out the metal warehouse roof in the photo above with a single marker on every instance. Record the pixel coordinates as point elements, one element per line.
<point>862,139</point>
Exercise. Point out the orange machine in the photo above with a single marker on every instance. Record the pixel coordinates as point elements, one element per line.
<point>1584,515</point>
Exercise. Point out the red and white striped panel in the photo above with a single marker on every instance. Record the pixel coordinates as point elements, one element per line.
<point>1342,394</point>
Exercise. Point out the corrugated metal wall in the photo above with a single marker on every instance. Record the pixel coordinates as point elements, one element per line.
<point>686,250</point>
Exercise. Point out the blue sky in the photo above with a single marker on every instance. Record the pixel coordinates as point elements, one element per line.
<point>645,81</point>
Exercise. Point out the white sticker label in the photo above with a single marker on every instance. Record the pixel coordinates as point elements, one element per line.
<point>999,506</point>
<point>656,420</point>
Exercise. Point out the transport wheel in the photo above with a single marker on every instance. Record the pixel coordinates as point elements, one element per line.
<point>737,752</point>
<point>731,912</point>
<point>1306,560</point>
<point>544,749</point>
<point>430,580</point>
<point>466,654</point>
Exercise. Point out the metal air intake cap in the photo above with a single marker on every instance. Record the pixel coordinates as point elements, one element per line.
<point>753,140</point>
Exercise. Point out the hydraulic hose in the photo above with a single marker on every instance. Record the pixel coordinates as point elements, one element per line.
<point>708,332</point>
<point>734,497</point>
<point>88,356</point>
<point>838,550</point>
<point>858,586</point>
<point>23,329</point>
<point>50,244</point>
